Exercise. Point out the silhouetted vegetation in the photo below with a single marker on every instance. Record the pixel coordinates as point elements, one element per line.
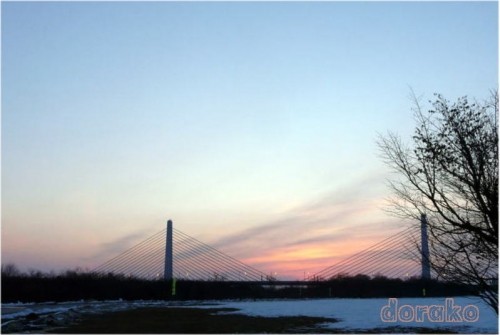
<point>450,173</point>
<point>363,286</point>
<point>76,285</point>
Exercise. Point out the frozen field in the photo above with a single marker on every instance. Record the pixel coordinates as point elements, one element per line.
<point>353,314</point>
<point>365,313</point>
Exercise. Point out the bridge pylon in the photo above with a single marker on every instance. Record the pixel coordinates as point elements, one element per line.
<point>169,263</point>
<point>426,264</point>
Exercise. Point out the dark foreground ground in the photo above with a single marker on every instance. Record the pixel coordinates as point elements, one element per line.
<point>190,321</point>
<point>155,320</point>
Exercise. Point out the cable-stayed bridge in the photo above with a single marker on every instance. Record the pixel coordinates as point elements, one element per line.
<point>190,259</point>
<point>397,256</point>
<point>171,253</point>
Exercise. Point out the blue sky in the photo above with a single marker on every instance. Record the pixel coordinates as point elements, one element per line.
<point>225,117</point>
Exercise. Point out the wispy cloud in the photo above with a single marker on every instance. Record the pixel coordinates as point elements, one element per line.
<point>316,234</point>
<point>307,238</point>
<point>115,247</point>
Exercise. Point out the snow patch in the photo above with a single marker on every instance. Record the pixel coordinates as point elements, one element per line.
<point>364,313</point>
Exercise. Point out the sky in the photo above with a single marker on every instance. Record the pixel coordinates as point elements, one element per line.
<point>252,126</point>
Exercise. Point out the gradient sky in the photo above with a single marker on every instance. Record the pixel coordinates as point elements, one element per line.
<point>251,125</point>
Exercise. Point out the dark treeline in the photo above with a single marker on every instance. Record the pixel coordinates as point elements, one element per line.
<point>77,285</point>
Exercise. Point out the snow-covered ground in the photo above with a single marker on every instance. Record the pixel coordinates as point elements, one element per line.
<point>365,313</point>
<point>353,314</point>
<point>50,316</point>
<point>15,310</point>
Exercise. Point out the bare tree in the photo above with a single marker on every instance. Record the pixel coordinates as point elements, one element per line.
<point>450,173</point>
<point>10,270</point>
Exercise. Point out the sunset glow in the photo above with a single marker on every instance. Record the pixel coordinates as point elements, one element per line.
<point>252,126</point>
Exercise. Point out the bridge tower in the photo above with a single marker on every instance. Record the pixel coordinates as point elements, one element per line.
<point>168,269</point>
<point>426,264</point>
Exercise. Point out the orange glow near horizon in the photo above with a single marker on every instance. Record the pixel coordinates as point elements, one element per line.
<point>303,241</point>
<point>293,262</point>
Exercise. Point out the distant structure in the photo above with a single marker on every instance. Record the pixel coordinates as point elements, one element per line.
<point>171,254</point>
<point>169,267</point>
<point>426,264</point>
